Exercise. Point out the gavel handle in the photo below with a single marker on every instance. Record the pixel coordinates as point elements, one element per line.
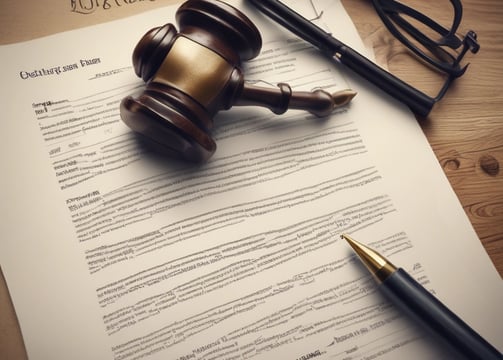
<point>278,100</point>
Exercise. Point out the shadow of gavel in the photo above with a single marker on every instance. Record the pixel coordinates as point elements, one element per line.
<point>193,73</point>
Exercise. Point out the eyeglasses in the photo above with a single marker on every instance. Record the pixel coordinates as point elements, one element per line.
<point>413,28</point>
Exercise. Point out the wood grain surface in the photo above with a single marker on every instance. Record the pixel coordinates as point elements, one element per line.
<point>465,129</point>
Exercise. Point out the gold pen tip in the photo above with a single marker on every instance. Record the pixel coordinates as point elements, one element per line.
<point>358,247</point>
<point>350,240</point>
<point>377,264</point>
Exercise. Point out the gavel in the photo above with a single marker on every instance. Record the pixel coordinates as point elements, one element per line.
<point>193,73</point>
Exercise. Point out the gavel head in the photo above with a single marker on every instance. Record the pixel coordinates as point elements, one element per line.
<point>190,74</point>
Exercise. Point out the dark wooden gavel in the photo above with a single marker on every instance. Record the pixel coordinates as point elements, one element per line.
<point>194,73</point>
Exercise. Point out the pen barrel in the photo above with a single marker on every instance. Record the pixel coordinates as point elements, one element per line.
<point>417,302</point>
<point>420,103</point>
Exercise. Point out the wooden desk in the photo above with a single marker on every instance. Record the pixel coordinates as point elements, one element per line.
<point>465,129</point>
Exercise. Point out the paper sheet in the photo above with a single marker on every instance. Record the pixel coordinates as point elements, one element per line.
<point>111,251</point>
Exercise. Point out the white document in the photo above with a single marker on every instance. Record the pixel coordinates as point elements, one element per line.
<point>111,251</point>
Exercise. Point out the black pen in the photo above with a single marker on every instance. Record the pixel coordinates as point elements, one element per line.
<point>415,300</point>
<point>417,101</point>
